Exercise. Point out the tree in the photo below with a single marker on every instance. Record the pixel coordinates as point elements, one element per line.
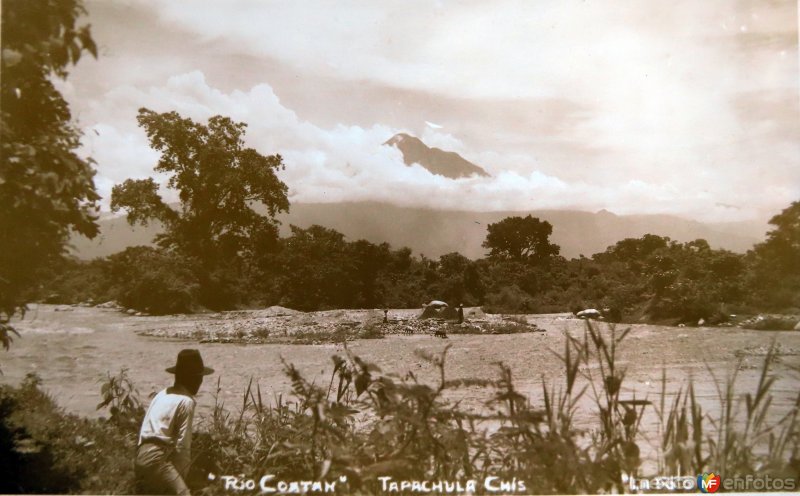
<point>521,238</point>
<point>46,189</point>
<point>151,280</point>
<point>775,277</point>
<point>783,242</point>
<point>220,183</point>
<point>315,269</point>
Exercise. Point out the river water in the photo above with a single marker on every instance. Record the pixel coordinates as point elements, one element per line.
<point>73,350</point>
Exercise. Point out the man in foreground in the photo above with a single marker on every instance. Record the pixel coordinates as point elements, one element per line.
<point>165,439</point>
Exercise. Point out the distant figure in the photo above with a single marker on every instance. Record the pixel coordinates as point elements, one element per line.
<point>165,439</point>
<point>440,333</point>
<point>385,316</point>
<point>460,313</point>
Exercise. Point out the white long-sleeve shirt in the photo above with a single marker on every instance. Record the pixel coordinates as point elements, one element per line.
<point>169,420</point>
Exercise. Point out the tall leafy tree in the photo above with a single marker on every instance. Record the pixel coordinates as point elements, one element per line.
<point>223,186</point>
<point>316,270</point>
<point>776,262</point>
<point>783,242</point>
<point>46,189</point>
<point>524,239</point>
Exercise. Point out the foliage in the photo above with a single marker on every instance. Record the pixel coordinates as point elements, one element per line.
<point>221,184</point>
<point>46,189</point>
<point>122,400</point>
<point>651,278</point>
<point>45,450</point>
<point>317,268</point>
<point>153,281</point>
<point>775,275</point>
<point>740,441</point>
<point>522,239</point>
<point>783,242</point>
<point>75,281</point>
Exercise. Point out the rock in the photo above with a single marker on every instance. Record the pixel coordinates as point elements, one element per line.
<point>589,313</point>
<point>436,304</point>
<point>130,311</point>
<point>681,325</point>
<point>109,304</point>
<point>701,322</point>
<point>797,327</point>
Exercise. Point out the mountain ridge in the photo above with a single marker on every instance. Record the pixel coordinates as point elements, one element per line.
<point>436,232</point>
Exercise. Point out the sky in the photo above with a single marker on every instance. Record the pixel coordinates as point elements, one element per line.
<point>681,107</point>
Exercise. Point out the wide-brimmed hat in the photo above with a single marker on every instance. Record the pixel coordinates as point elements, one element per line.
<point>190,362</point>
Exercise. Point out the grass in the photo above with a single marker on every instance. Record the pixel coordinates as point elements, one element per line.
<point>365,423</point>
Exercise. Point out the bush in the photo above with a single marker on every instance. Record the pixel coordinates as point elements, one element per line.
<point>44,450</point>
<point>370,330</point>
<point>153,281</point>
<point>75,281</point>
<point>510,299</point>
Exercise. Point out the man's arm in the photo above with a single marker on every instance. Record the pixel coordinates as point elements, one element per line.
<point>184,415</point>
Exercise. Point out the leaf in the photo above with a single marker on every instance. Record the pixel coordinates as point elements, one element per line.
<point>86,40</point>
<point>362,383</point>
<point>326,466</point>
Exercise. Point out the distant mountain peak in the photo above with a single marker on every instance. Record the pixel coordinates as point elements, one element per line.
<point>437,161</point>
<point>398,138</point>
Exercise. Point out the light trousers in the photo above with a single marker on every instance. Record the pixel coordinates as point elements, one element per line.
<point>155,473</point>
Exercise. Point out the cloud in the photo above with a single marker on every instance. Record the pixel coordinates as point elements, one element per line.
<point>350,163</point>
<point>677,107</point>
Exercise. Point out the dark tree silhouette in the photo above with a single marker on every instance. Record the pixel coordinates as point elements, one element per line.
<point>783,242</point>
<point>219,182</point>
<point>522,239</point>
<point>46,189</point>
<point>222,187</point>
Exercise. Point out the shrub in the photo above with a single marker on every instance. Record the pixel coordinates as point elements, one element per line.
<point>153,281</point>
<point>370,330</point>
<point>510,299</point>
<point>122,400</point>
<point>44,450</point>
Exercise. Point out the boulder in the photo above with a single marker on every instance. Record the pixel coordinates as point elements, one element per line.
<point>589,313</point>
